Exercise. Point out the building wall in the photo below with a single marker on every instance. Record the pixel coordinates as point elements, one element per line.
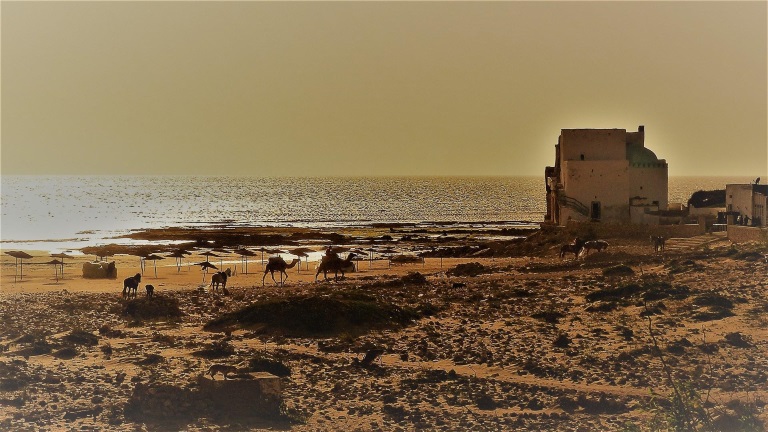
<point>603,181</point>
<point>742,234</point>
<point>738,198</point>
<point>593,144</point>
<point>651,184</point>
<point>760,208</point>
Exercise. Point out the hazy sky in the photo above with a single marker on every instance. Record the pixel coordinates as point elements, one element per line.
<point>386,88</point>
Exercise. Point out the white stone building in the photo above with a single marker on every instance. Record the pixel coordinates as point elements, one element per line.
<point>605,175</point>
<point>744,201</point>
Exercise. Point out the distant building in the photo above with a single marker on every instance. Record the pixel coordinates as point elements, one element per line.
<point>605,175</point>
<point>746,204</point>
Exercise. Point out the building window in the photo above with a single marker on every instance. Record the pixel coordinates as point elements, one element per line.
<point>582,156</point>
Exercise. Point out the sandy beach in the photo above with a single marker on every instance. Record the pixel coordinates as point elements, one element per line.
<point>498,334</point>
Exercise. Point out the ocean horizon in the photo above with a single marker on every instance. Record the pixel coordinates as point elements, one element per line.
<point>70,212</point>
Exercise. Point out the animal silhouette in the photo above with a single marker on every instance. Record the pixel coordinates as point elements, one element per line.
<point>574,248</point>
<point>131,283</point>
<point>332,263</point>
<point>598,245</point>
<point>220,278</point>
<point>278,264</point>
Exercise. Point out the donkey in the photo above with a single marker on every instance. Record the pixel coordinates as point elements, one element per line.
<point>658,243</point>
<point>220,278</point>
<point>574,248</point>
<point>131,284</point>
<point>597,245</point>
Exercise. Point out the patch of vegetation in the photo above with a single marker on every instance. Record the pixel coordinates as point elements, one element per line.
<point>678,266</point>
<point>216,349</point>
<point>469,269</point>
<point>319,314</point>
<point>715,307</point>
<point>157,307</point>
<point>265,362</point>
<point>66,353</point>
<point>649,291</point>
<point>552,317</point>
<point>618,270</point>
<point>81,337</point>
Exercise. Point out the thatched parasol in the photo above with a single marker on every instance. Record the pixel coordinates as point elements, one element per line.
<point>179,254</point>
<point>62,256</point>
<point>301,252</point>
<point>154,259</point>
<point>221,251</point>
<point>101,252</point>
<point>56,263</point>
<point>244,254</point>
<point>262,250</point>
<point>388,252</point>
<point>20,257</point>
<point>205,265</point>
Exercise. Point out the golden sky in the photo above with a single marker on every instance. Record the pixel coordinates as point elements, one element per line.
<point>385,88</point>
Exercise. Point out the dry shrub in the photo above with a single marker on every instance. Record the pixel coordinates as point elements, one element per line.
<point>157,307</point>
<point>470,269</point>
<point>319,314</point>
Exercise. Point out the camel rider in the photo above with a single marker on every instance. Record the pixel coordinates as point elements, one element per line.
<point>330,253</point>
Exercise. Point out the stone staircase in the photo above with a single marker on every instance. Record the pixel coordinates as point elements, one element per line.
<point>677,244</point>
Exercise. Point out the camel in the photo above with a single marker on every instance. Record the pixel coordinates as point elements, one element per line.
<point>332,263</point>
<point>278,264</point>
<point>598,245</point>
<point>220,278</point>
<point>574,248</point>
<point>131,283</point>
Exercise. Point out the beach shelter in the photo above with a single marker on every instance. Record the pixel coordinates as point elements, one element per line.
<point>154,259</point>
<point>179,254</point>
<point>208,255</point>
<point>262,250</point>
<point>101,252</point>
<point>361,254</point>
<point>61,256</point>
<point>20,257</point>
<point>221,251</point>
<point>244,254</point>
<point>205,265</point>
<point>388,253</point>
<point>301,252</point>
<point>56,263</point>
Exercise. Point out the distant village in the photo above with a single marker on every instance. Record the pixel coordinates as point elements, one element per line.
<point>608,175</point>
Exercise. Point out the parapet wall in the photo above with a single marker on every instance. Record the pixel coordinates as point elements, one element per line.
<point>743,234</point>
<point>633,231</point>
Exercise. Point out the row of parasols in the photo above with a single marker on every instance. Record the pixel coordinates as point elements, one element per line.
<point>102,252</point>
<point>20,256</point>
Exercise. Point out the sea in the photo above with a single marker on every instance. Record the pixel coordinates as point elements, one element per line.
<point>65,213</point>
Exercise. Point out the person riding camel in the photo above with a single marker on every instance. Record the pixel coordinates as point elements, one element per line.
<point>330,253</point>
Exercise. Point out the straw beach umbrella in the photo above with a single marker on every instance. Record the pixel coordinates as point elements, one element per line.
<point>179,254</point>
<point>221,259</point>
<point>262,250</point>
<point>154,259</point>
<point>20,257</point>
<point>244,254</point>
<point>56,263</point>
<point>62,256</point>
<point>205,265</point>
<point>301,252</point>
